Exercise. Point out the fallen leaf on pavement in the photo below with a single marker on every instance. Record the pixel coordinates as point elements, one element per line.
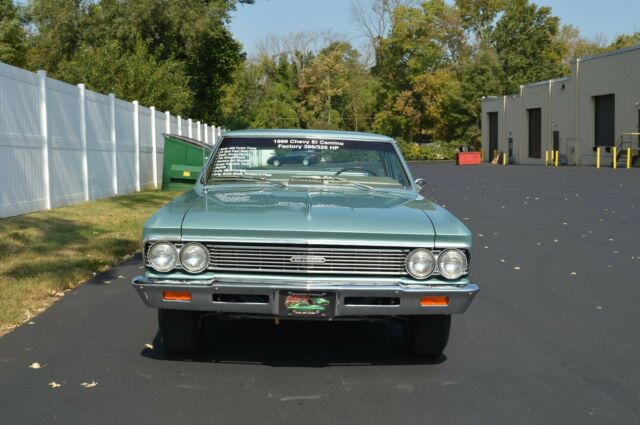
<point>89,384</point>
<point>36,365</point>
<point>54,384</point>
<point>148,346</point>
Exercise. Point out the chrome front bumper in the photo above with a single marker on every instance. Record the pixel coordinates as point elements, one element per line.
<point>203,294</point>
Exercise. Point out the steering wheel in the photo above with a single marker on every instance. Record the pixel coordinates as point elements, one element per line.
<point>371,173</point>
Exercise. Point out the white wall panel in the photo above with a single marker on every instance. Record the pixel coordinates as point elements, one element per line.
<point>26,139</point>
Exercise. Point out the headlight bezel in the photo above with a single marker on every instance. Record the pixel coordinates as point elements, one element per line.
<point>411,272</point>
<point>176,259</point>
<point>465,263</point>
<point>204,266</point>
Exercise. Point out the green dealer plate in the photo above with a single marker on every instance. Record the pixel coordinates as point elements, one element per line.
<point>307,304</point>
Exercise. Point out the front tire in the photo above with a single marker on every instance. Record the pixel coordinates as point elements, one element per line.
<point>179,330</point>
<point>428,335</point>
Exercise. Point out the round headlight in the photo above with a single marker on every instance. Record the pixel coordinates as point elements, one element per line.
<point>194,257</point>
<point>162,257</point>
<point>452,263</point>
<point>420,263</point>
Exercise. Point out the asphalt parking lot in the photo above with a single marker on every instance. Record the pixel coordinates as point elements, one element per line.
<point>552,338</point>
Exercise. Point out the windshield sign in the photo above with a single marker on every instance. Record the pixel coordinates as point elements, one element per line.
<point>306,161</point>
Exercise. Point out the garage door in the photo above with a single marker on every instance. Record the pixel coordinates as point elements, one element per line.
<point>535,132</point>
<point>605,120</point>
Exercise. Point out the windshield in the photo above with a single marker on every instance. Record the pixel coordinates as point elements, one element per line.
<point>307,161</point>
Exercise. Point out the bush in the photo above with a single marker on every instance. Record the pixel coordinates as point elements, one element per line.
<point>432,151</point>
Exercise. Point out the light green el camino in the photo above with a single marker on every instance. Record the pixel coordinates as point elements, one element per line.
<point>280,219</point>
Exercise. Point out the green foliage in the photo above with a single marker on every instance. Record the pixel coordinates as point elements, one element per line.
<point>176,55</point>
<point>135,75</point>
<point>525,39</point>
<point>12,35</point>
<point>625,40</point>
<point>433,151</point>
<point>434,61</point>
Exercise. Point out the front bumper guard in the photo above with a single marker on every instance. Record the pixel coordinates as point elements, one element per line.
<point>460,296</point>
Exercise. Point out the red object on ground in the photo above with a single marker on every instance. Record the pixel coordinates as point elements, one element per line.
<point>468,158</point>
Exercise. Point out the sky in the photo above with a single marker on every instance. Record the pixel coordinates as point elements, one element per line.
<point>594,18</point>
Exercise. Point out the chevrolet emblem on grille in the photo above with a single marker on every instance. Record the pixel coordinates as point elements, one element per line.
<point>307,259</point>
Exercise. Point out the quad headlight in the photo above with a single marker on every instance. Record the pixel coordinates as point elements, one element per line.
<point>194,257</point>
<point>420,263</point>
<point>163,257</point>
<point>452,263</point>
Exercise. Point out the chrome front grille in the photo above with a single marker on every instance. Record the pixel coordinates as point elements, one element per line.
<point>307,259</point>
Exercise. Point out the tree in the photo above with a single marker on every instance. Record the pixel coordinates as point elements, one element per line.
<point>56,32</point>
<point>625,40</point>
<point>576,45</point>
<point>324,82</point>
<point>478,16</point>
<point>190,35</point>
<point>12,35</point>
<point>525,38</point>
<point>373,18</point>
<point>131,75</point>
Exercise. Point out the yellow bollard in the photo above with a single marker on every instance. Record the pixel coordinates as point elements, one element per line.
<point>628,158</point>
<point>546,158</point>
<point>597,157</point>
<point>557,154</point>
<point>504,159</point>
<point>615,157</point>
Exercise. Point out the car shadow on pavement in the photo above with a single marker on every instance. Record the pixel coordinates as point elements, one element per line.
<point>299,344</point>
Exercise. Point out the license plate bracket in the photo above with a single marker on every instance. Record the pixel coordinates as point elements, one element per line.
<point>318,304</point>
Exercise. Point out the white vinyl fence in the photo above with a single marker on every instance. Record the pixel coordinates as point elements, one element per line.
<point>61,144</point>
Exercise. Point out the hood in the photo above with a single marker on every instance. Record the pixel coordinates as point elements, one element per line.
<point>307,215</point>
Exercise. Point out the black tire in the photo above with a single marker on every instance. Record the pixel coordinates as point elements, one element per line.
<point>179,330</point>
<point>428,335</point>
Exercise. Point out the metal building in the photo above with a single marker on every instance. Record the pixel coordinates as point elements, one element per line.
<point>597,106</point>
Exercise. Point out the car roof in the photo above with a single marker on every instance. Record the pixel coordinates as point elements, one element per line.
<point>310,134</point>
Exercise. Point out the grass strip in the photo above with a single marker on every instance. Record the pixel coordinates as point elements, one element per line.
<point>46,253</point>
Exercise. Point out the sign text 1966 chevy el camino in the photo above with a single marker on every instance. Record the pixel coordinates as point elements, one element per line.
<point>344,236</point>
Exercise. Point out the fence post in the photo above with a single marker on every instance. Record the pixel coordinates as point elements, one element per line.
<point>179,125</point>
<point>199,134</point>
<point>206,135</point>
<point>44,132</point>
<point>136,138</point>
<point>189,129</point>
<point>114,145</point>
<point>167,124</point>
<point>154,160</point>
<point>83,137</point>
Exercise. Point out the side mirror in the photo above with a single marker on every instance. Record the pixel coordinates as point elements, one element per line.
<point>421,184</point>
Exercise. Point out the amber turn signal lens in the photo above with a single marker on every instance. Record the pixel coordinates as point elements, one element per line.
<point>434,301</point>
<point>176,295</point>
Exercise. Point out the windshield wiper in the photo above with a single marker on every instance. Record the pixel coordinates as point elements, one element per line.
<point>329,179</point>
<point>245,178</point>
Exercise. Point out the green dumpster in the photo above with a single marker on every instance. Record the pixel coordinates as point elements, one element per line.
<point>183,160</point>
